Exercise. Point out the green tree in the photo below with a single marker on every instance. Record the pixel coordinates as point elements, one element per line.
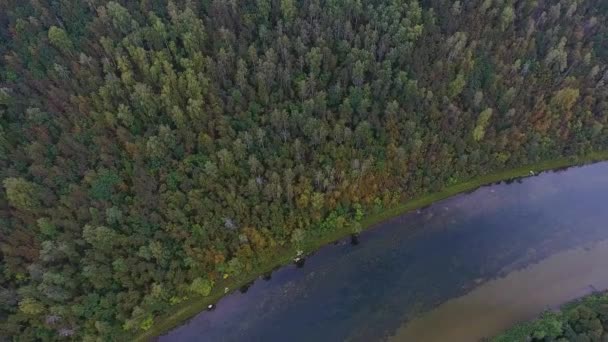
<point>482,122</point>
<point>21,193</point>
<point>297,237</point>
<point>60,39</point>
<point>288,9</point>
<point>30,306</point>
<point>201,286</point>
<point>565,99</point>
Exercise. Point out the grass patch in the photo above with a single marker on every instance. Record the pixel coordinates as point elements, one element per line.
<point>284,255</point>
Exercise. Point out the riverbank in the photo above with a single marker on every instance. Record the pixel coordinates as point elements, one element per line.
<point>284,256</point>
<point>584,318</point>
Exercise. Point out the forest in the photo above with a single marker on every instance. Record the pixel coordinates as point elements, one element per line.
<point>150,148</point>
<point>585,320</point>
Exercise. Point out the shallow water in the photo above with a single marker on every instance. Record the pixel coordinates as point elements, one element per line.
<point>405,267</point>
<point>499,304</point>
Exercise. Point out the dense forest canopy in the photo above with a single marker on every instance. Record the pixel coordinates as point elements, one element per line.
<point>149,148</point>
<point>585,320</point>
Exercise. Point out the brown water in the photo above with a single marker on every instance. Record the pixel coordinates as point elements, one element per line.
<point>521,295</point>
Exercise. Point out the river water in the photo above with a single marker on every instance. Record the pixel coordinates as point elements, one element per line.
<point>462,269</point>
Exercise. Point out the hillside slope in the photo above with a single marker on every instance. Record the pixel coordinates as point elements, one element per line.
<point>149,149</point>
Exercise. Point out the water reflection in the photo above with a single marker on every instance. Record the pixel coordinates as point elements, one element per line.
<point>414,263</point>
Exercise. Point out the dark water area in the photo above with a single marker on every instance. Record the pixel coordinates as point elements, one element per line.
<point>407,266</point>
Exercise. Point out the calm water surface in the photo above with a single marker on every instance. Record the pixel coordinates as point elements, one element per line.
<point>496,256</point>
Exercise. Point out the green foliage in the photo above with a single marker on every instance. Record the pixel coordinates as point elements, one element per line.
<point>457,85</point>
<point>297,237</point>
<point>146,324</point>
<point>59,39</point>
<point>21,193</point>
<point>288,9</point>
<point>548,327</point>
<point>582,320</point>
<point>46,227</point>
<point>201,286</point>
<point>172,142</point>
<point>482,121</point>
<point>358,212</point>
<point>234,267</point>
<point>30,306</point>
<point>102,185</point>
<point>507,16</point>
<point>565,99</point>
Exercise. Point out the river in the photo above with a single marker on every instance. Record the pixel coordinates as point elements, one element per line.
<point>462,269</point>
